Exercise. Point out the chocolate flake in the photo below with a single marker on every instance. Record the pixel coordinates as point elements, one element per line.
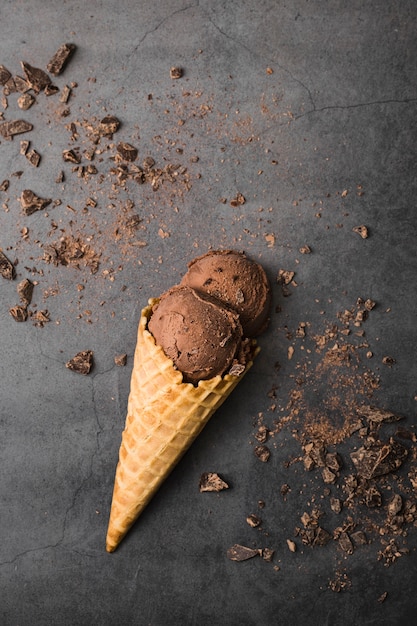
<point>7,269</point>
<point>127,151</point>
<point>81,363</point>
<point>15,127</point>
<point>19,313</point>
<point>33,157</point>
<point>25,101</point>
<point>37,78</point>
<point>377,416</point>
<point>120,360</point>
<point>176,72</point>
<point>109,125</point>
<point>241,553</point>
<point>210,481</point>
<point>263,453</point>
<point>379,458</point>
<point>30,202</point>
<point>25,291</point>
<point>61,57</point>
<point>5,75</point>
<point>361,230</point>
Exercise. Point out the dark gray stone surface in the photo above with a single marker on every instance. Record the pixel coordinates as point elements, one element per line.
<point>337,114</point>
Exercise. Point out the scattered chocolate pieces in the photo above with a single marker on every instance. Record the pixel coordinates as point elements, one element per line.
<point>210,481</point>
<point>81,363</point>
<point>242,553</point>
<point>7,269</point>
<point>61,57</point>
<point>36,78</point>
<point>30,202</point>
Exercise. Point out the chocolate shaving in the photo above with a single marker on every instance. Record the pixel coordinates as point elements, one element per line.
<point>81,363</point>
<point>15,127</point>
<point>210,481</point>
<point>61,57</point>
<point>30,202</point>
<point>7,269</point>
<point>241,553</point>
<point>36,78</point>
<point>379,458</point>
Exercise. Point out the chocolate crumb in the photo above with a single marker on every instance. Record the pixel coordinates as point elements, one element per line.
<point>120,360</point>
<point>253,520</point>
<point>81,363</point>
<point>292,546</point>
<point>25,291</point>
<point>210,481</point>
<point>267,554</point>
<point>382,597</point>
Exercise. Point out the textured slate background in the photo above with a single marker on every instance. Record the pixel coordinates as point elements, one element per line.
<point>338,111</point>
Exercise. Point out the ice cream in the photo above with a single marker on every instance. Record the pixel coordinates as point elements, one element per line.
<point>191,353</point>
<point>237,281</point>
<point>201,336</point>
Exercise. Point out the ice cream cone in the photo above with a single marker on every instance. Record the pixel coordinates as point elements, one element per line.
<point>164,416</point>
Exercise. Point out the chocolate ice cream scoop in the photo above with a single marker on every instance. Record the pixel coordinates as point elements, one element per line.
<point>237,281</point>
<point>199,334</point>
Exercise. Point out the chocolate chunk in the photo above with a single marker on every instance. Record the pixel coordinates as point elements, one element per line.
<point>175,73</point>
<point>127,151</point>
<point>335,505</point>
<point>376,415</point>
<point>359,538</point>
<point>241,553</point>
<point>25,101</point>
<point>395,505</point>
<point>109,125</point>
<point>379,458</point>
<point>267,554</point>
<point>4,75</point>
<point>81,363</point>
<point>292,546</point>
<point>253,520</point>
<point>61,57</point>
<point>361,230</point>
<point>21,84</point>
<point>120,360</point>
<point>19,313</point>
<point>5,185</point>
<point>24,146</point>
<point>50,90</point>
<point>7,269</point>
<point>210,481</point>
<point>262,452</point>
<point>16,127</point>
<point>71,156</point>
<point>345,543</point>
<point>65,94</point>
<point>33,157</point>
<point>30,202</point>
<point>25,291</point>
<point>36,78</point>
<point>40,318</point>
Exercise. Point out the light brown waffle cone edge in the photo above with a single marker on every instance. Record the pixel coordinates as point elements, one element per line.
<point>164,416</point>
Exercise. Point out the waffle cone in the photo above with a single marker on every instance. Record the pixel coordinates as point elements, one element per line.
<point>164,416</point>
